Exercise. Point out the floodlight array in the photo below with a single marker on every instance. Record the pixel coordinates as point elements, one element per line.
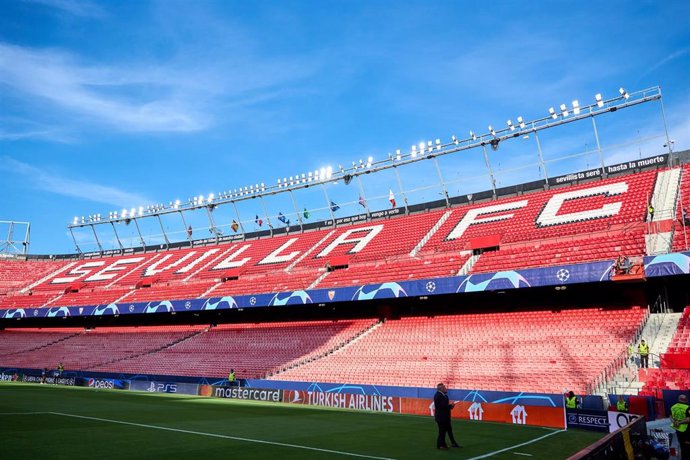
<point>417,152</point>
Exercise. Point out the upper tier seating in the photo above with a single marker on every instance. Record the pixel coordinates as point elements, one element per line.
<point>587,222</point>
<point>529,351</point>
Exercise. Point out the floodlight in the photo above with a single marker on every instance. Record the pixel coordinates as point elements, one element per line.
<point>414,151</point>
<point>177,204</point>
<point>564,110</point>
<point>133,212</point>
<point>438,144</point>
<point>624,93</point>
<point>552,112</point>
<point>454,139</point>
<point>521,122</point>
<point>473,135</point>
<point>329,172</point>
<point>510,125</point>
<point>124,214</point>
<point>492,131</point>
<point>600,101</point>
<point>369,161</point>
<point>576,107</point>
<point>76,220</point>
<point>398,155</point>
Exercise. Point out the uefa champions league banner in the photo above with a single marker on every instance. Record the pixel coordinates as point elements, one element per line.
<point>655,266</point>
<point>667,264</point>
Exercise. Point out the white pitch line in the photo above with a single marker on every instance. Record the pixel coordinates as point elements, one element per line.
<point>213,435</point>
<point>24,413</point>
<point>516,446</point>
<point>522,453</point>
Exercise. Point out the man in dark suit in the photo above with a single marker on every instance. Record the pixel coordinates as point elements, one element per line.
<point>442,408</point>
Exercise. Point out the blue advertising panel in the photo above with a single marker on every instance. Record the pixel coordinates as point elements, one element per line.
<point>588,419</point>
<point>164,387</point>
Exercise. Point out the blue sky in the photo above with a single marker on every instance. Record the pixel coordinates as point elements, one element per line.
<point>113,105</point>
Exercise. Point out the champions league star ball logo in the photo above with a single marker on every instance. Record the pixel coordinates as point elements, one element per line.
<point>159,307</point>
<point>17,313</point>
<point>562,275</point>
<point>57,311</point>
<point>219,303</point>
<point>106,310</point>
<point>290,298</point>
<point>430,287</point>
<point>383,291</point>
<point>252,301</point>
<point>131,308</point>
<point>187,305</point>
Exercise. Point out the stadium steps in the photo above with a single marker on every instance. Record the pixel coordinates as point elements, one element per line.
<point>304,255</point>
<point>430,233</point>
<point>659,239</point>
<point>318,280</point>
<point>658,333</point>
<point>339,347</point>
<point>467,267</point>
<point>151,351</point>
<point>47,277</point>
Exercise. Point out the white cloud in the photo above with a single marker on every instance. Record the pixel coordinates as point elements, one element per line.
<point>81,8</point>
<point>86,90</point>
<point>85,190</point>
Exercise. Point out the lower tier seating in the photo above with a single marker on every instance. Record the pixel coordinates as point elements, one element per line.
<point>534,351</point>
<point>540,351</point>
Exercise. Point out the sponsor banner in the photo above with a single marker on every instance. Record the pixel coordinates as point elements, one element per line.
<point>8,377</point>
<point>530,399</point>
<point>243,393</point>
<point>107,384</point>
<point>71,381</point>
<point>593,420</point>
<point>164,387</point>
<point>618,420</point>
<point>374,403</point>
<point>516,414</point>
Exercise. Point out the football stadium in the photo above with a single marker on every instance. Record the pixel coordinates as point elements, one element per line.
<point>539,268</point>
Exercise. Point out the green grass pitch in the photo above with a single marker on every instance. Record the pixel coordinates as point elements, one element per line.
<point>41,421</point>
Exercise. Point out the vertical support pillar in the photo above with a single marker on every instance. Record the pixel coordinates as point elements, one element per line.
<point>75,241</point>
<point>491,171</point>
<point>400,186</point>
<point>141,238</point>
<point>541,157</point>
<point>117,237</point>
<point>328,202</point>
<point>443,185</point>
<point>601,155</point>
<point>165,235</point>
<point>98,242</point>
<point>297,213</point>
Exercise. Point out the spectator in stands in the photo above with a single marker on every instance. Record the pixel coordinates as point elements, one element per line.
<point>650,212</point>
<point>231,378</point>
<point>686,218</point>
<point>571,401</point>
<point>61,369</point>
<point>189,232</point>
<point>621,404</point>
<point>56,374</point>
<point>44,374</point>
<point>643,350</point>
<point>680,418</point>
<point>442,408</point>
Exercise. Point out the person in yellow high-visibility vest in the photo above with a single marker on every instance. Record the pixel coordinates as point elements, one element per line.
<point>571,401</point>
<point>643,350</point>
<point>680,418</point>
<point>621,405</point>
<point>231,377</point>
